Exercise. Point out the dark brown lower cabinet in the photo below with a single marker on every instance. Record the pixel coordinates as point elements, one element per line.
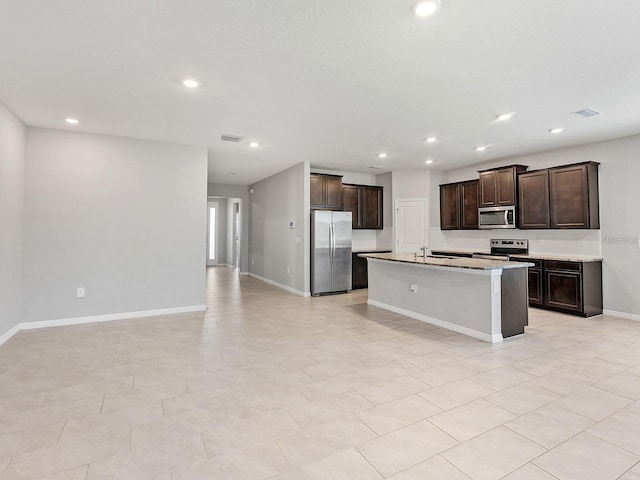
<point>359,272</point>
<point>568,287</point>
<point>563,290</point>
<point>536,291</point>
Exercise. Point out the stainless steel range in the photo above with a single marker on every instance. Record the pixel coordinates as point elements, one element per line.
<point>501,249</point>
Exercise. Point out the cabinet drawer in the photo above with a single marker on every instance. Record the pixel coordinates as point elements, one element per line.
<point>556,265</point>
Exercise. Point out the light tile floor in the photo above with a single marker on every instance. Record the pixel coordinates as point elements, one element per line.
<point>268,385</point>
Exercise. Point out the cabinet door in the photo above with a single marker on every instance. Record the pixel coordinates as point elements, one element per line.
<point>317,191</point>
<point>536,291</point>
<point>449,207</point>
<point>506,187</point>
<point>563,290</point>
<point>333,192</point>
<point>569,197</point>
<point>351,202</point>
<point>469,205</point>
<point>371,207</point>
<point>533,205</point>
<point>359,272</point>
<point>488,194</point>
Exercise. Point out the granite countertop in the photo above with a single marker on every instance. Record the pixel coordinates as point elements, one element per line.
<point>532,256</point>
<point>461,251</point>
<point>370,250</point>
<point>560,258</point>
<point>457,262</point>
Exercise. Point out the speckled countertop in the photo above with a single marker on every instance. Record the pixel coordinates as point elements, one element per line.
<point>370,250</point>
<point>456,262</point>
<point>532,256</point>
<point>560,258</point>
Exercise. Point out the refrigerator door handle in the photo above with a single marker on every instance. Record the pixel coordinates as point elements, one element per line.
<point>332,243</point>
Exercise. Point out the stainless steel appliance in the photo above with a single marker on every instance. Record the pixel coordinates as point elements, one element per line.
<point>330,252</point>
<point>497,217</point>
<point>501,249</point>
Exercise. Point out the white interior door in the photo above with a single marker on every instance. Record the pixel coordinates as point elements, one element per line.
<point>410,225</point>
<point>212,234</point>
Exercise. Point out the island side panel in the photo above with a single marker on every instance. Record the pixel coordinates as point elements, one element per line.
<point>456,298</point>
<point>515,301</point>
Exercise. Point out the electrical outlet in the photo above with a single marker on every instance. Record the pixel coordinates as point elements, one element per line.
<point>288,270</point>
<point>298,240</point>
<point>252,261</point>
<point>582,242</point>
<point>80,292</point>
<point>413,288</point>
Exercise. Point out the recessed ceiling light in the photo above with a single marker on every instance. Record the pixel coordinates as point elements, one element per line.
<point>556,130</point>
<point>505,116</point>
<point>190,83</point>
<point>428,162</point>
<point>431,139</point>
<point>72,121</point>
<point>481,148</point>
<point>383,155</point>
<point>426,8</point>
<point>254,144</point>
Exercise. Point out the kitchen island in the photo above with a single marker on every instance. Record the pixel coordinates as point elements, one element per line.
<point>485,299</point>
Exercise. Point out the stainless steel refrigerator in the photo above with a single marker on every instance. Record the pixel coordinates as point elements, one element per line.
<point>330,252</point>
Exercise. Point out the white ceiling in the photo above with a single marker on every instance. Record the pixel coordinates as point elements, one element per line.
<point>329,81</point>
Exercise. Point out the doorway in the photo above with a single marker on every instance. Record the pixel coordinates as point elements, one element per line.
<point>212,233</point>
<point>410,225</point>
<point>236,235</point>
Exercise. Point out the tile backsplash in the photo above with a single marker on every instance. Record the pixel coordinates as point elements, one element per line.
<point>561,242</point>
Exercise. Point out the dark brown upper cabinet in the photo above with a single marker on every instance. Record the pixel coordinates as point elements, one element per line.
<point>365,204</point>
<point>469,192</point>
<point>351,201</point>
<point>498,186</point>
<point>371,207</point>
<point>326,191</point>
<point>573,196</point>
<point>533,200</point>
<point>459,206</point>
<point>450,206</point>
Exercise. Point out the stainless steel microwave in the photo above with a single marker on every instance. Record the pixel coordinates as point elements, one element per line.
<point>497,217</point>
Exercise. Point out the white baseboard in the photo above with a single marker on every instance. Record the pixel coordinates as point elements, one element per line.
<point>4,338</point>
<point>626,316</point>
<point>280,285</point>
<point>440,323</point>
<point>99,318</point>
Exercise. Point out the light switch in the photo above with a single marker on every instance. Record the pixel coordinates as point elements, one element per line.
<point>80,292</point>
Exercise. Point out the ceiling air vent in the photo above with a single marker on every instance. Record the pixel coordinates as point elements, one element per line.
<point>226,137</point>
<point>586,113</point>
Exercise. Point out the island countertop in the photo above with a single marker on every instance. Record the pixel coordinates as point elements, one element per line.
<point>452,262</point>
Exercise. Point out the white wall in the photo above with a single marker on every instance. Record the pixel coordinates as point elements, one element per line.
<point>616,241</point>
<point>126,219</point>
<point>12,158</point>
<point>242,193</point>
<point>384,237</point>
<point>411,184</point>
<point>275,202</point>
